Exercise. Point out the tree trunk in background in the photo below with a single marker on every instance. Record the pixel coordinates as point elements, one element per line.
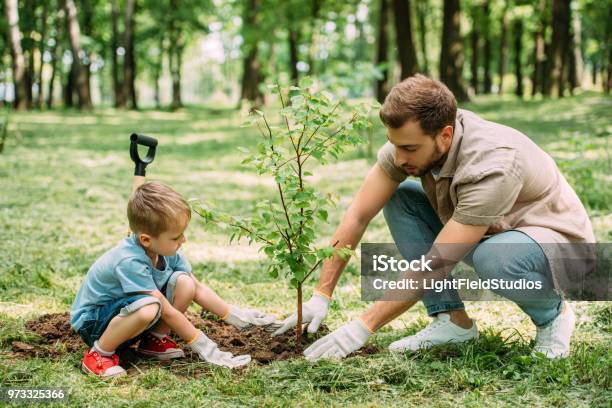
<point>577,71</point>
<point>87,15</point>
<point>41,51</point>
<point>382,51</point>
<point>474,37</point>
<point>421,10</point>
<point>129,65</point>
<point>293,37</point>
<point>12,17</point>
<point>75,45</point>
<point>120,101</point>
<point>488,83</point>
<point>251,72</point>
<point>54,59</point>
<point>503,48</point>
<point>608,83</point>
<point>518,50</point>
<point>175,72</point>
<point>451,56</point>
<point>537,76</point>
<point>405,44</point>
<point>158,71</point>
<point>29,76</point>
<point>558,46</point>
<point>315,10</point>
<point>28,22</point>
<point>69,88</point>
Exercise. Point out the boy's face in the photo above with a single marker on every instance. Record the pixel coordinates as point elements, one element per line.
<point>169,241</point>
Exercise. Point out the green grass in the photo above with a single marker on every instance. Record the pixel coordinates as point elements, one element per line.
<point>65,178</point>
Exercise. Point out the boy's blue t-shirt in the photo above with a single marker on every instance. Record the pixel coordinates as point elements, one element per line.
<point>123,270</point>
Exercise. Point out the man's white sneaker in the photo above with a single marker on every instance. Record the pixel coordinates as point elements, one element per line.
<point>554,340</point>
<point>440,331</point>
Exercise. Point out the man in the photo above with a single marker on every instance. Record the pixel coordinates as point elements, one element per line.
<point>482,184</point>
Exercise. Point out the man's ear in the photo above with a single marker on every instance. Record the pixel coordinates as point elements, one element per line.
<point>144,240</point>
<point>446,136</point>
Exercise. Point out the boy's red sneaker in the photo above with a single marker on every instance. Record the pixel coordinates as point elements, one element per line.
<point>102,366</point>
<point>161,349</point>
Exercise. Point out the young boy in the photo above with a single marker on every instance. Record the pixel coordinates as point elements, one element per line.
<point>140,289</point>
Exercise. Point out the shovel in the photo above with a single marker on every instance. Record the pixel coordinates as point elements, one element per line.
<point>141,163</point>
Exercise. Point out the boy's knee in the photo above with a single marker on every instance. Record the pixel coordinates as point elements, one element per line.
<point>186,285</point>
<point>148,313</point>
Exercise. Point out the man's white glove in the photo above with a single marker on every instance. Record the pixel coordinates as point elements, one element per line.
<point>246,318</point>
<point>208,351</point>
<point>339,343</point>
<point>314,312</point>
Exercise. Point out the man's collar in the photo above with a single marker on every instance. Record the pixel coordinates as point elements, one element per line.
<point>450,164</point>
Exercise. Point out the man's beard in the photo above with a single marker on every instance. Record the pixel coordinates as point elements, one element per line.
<point>436,159</point>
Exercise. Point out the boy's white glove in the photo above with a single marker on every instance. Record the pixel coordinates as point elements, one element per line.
<point>246,318</point>
<point>339,343</point>
<point>314,312</point>
<point>208,351</point>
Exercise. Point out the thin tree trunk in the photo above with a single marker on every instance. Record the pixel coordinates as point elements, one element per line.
<point>578,70</point>
<point>312,43</point>
<point>158,71</point>
<point>54,60</point>
<point>29,76</point>
<point>537,77</point>
<point>421,10</point>
<point>405,44</point>
<point>518,49</point>
<point>69,88</point>
<point>488,83</point>
<point>382,51</point>
<point>451,57</point>
<point>608,83</point>
<point>87,15</point>
<point>475,40</point>
<point>251,67</point>
<point>294,40</point>
<point>129,65</point>
<point>298,327</point>
<point>177,100</point>
<point>117,85</point>
<point>12,17</point>
<point>560,38</point>
<point>74,32</point>
<point>41,51</point>
<point>503,48</point>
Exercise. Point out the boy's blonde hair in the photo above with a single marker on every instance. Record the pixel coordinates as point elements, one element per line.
<point>154,207</point>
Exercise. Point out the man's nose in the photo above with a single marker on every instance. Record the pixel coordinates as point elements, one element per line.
<point>400,159</point>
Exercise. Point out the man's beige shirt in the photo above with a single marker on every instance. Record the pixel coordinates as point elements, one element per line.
<point>496,176</point>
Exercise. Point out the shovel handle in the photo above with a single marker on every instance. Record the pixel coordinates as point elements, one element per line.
<point>141,163</point>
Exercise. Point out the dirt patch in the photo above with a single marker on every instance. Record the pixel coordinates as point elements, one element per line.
<point>57,338</point>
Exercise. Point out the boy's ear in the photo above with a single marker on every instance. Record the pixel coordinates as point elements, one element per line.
<point>144,240</point>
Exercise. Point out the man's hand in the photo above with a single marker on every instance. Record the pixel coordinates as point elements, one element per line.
<point>246,318</point>
<point>340,343</point>
<point>314,312</point>
<point>208,351</point>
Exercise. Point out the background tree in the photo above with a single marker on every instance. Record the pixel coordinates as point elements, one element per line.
<point>80,75</point>
<point>382,50</point>
<point>451,55</point>
<point>403,32</point>
<point>12,16</point>
<point>558,47</point>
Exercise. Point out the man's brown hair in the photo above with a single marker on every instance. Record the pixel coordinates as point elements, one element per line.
<point>154,207</point>
<point>422,99</point>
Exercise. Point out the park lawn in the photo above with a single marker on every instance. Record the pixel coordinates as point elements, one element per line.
<point>65,178</point>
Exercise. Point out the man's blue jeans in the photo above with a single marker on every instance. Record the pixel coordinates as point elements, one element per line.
<point>412,220</point>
